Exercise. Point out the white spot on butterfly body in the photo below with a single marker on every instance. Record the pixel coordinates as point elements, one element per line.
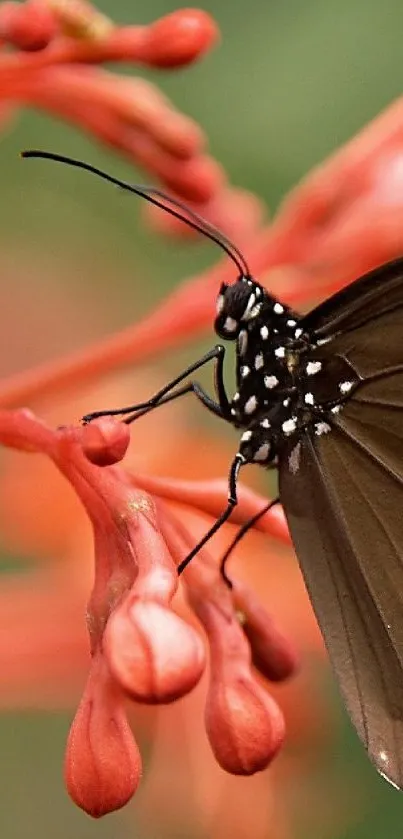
<point>255,311</point>
<point>242,341</point>
<point>235,397</point>
<point>313,367</point>
<point>286,402</point>
<point>270,382</point>
<point>345,387</point>
<point>245,370</point>
<point>230,325</point>
<point>246,436</point>
<point>309,399</point>
<point>259,361</point>
<point>298,332</point>
<point>264,332</point>
<point>279,352</point>
<point>251,405</point>
<point>220,304</point>
<point>322,428</point>
<point>289,426</point>
<point>262,452</point>
<point>249,306</point>
<point>291,322</point>
<point>278,309</point>
<point>265,423</point>
<point>336,409</point>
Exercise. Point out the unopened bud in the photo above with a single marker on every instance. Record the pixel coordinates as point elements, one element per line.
<point>152,652</point>
<point>105,441</point>
<point>102,764</point>
<point>244,724</point>
<point>273,653</point>
<point>28,26</point>
<point>180,37</point>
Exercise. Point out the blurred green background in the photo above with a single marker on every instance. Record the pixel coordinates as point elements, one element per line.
<point>289,83</point>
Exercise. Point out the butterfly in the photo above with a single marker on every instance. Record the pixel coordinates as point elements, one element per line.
<point>319,397</point>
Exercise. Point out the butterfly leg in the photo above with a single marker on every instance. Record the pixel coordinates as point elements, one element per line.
<point>241,533</point>
<point>232,502</point>
<point>220,408</point>
<point>189,387</point>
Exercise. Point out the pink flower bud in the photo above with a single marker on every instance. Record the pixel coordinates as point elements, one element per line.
<point>272,652</point>
<point>244,724</point>
<point>29,26</point>
<point>102,764</point>
<point>105,441</point>
<point>179,38</point>
<point>154,655</point>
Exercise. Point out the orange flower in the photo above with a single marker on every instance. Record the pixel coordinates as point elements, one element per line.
<point>140,647</point>
<point>56,47</point>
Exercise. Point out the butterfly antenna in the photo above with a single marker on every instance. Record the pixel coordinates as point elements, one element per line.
<point>160,199</point>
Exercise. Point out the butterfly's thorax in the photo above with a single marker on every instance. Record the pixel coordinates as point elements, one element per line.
<point>285,380</point>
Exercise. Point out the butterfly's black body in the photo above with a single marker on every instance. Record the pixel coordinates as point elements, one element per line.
<point>320,397</point>
<point>287,383</point>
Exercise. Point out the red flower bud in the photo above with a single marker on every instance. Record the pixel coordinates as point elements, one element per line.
<point>179,38</point>
<point>244,724</point>
<point>105,441</point>
<point>28,26</point>
<point>273,654</point>
<point>103,764</point>
<point>154,655</point>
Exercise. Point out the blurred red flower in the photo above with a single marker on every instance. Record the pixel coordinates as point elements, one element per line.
<point>52,67</point>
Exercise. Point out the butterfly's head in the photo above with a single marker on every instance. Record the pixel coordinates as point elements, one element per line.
<point>236,305</point>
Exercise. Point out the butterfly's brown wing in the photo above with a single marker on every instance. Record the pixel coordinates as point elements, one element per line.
<point>343,497</point>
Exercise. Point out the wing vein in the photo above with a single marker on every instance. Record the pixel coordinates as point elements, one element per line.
<point>347,466</point>
<point>335,581</point>
<point>364,448</point>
